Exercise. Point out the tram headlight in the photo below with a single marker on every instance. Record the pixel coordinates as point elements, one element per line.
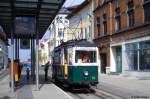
<point>86,73</point>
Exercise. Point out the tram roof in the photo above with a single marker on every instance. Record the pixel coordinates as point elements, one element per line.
<point>45,10</point>
<point>78,43</point>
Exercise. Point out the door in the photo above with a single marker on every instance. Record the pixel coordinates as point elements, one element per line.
<point>103,63</point>
<point>118,59</point>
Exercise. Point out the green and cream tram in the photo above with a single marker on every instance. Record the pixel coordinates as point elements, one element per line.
<point>76,63</point>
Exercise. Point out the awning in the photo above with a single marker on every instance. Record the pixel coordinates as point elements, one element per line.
<point>45,10</point>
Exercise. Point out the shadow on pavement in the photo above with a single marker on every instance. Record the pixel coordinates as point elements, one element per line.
<point>5,97</point>
<point>32,80</point>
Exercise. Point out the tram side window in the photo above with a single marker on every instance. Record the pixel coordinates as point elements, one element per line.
<point>57,58</point>
<point>65,56</point>
<point>85,56</point>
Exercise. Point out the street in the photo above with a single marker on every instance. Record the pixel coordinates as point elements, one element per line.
<point>111,90</point>
<point>110,87</point>
<point>92,93</point>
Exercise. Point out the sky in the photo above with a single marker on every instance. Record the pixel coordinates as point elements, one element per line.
<point>72,2</point>
<point>66,4</point>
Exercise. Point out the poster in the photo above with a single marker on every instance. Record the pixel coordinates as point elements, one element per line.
<point>25,25</point>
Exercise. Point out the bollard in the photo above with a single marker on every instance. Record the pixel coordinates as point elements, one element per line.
<point>28,71</point>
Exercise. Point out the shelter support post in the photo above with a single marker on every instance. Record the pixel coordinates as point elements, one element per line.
<point>37,64</point>
<point>12,59</point>
<point>37,53</point>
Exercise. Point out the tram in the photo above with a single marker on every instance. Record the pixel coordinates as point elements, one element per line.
<point>76,63</point>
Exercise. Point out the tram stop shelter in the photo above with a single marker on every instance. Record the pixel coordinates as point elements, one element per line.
<point>27,19</point>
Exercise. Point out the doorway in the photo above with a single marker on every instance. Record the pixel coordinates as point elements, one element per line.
<point>103,62</point>
<point>118,59</point>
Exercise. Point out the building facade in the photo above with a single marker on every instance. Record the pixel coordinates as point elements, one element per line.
<point>122,33</point>
<point>44,51</point>
<point>58,30</point>
<point>81,22</point>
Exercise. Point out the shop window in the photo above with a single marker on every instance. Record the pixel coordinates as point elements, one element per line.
<point>131,13</point>
<point>145,56</point>
<point>138,56</point>
<point>131,56</point>
<point>147,10</point>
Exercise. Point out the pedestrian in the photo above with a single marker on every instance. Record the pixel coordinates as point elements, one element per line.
<point>28,69</point>
<point>46,70</point>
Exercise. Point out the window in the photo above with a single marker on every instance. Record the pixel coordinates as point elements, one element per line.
<point>60,32</point>
<point>97,3</point>
<point>57,57</point>
<point>66,21</point>
<point>131,56</point>
<point>85,56</point>
<point>146,1</point>
<point>105,24</point>
<point>81,33</point>
<point>116,3</point>
<point>144,55</point>
<point>131,13</point>
<point>90,31</point>
<point>147,10</point>
<point>59,19</point>
<point>104,1</point>
<point>118,19</point>
<point>98,25</point>
<point>70,56</point>
<point>86,34</point>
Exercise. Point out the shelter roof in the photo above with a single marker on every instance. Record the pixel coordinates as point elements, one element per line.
<point>44,10</point>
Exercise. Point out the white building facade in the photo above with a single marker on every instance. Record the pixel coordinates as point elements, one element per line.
<point>58,31</point>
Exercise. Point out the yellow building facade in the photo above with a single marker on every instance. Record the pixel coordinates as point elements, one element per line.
<point>81,22</point>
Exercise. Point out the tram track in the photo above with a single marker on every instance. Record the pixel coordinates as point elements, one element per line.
<point>90,93</point>
<point>93,95</point>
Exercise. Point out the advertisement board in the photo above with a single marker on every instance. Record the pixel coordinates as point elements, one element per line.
<point>24,25</point>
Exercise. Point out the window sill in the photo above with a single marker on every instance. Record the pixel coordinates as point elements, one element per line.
<point>132,28</point>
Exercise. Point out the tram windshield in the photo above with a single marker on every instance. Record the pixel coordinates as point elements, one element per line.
<point>85,56</point>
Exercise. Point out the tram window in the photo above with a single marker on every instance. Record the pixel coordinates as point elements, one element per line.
<point>85,56</point>
<point>57,57</point>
